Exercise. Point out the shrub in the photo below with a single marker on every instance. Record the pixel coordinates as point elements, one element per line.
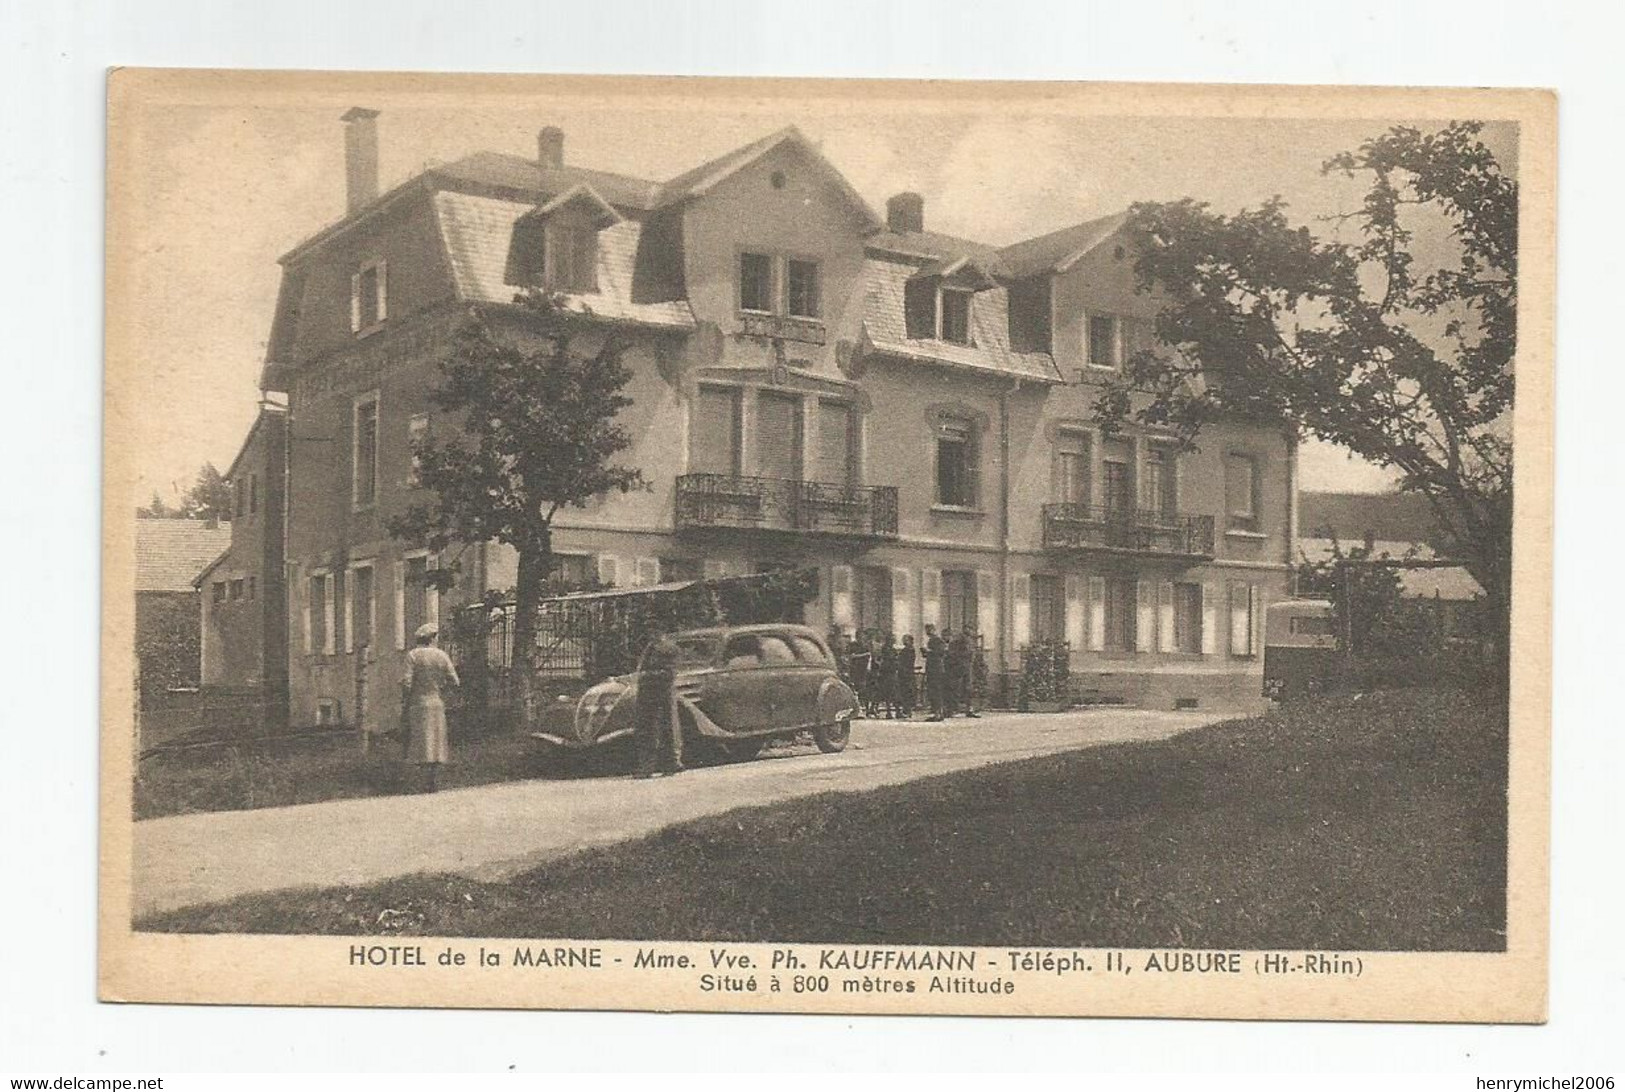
<point>1045,668</point>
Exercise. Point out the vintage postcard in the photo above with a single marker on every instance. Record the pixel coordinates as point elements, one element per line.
<point>826,546</point>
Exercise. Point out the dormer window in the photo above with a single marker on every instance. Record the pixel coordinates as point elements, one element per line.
<point>555,246</point>
<point>368,297</point>
<point>570,262</point>
<point>937,301</point>
<point>955,316</point>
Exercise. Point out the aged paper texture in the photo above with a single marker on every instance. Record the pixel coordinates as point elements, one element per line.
<point>827,546</point>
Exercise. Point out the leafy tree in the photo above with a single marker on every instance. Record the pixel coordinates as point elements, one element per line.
<point>157,509</point>
<point>1358,343</point>
<point>537,432</point>
<point>209,498</point>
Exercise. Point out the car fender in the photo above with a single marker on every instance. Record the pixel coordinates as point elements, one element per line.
<point>836,701</point>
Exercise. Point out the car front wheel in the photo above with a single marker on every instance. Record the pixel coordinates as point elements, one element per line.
<point>832,738</point>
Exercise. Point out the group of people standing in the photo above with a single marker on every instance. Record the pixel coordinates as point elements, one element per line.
<point>887,674</point>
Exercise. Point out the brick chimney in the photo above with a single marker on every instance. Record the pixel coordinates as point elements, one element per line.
<point>550,148</point>
<point>360,157</point>
<point>905,212</point>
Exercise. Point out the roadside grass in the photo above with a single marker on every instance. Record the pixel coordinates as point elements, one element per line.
<point>274,773</point>
<point>1368,823</point>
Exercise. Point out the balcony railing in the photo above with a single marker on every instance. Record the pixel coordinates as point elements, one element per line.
<point>779,504</point>
<point>1141,531</point>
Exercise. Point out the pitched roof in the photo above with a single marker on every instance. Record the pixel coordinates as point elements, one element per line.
<point>1059,250</point>
<point>886,324</point>
<point>1451,583</point>
<point>170,553</point>
<point>478,233</point>
<point>511,172</point>
<point>934,245</point>
<point>698,180</point>
<point>1351,516</point>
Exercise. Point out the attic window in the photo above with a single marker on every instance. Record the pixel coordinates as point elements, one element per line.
<point>368,307</point>
<point>955,310</point>
<point>570,262</point>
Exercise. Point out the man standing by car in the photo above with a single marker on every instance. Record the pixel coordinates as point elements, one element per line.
<point>936,673</point>
<point>658,734</point>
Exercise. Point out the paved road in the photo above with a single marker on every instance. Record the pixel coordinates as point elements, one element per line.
<point>491,831</point>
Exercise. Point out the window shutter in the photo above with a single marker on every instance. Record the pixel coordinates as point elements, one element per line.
<point>1210,619</point>
<point>383,290</point>
<point>920,307</point>
<point>1097,613</point>
<point>1241,626</point>
<point>1076,622</point>
<point>1255,617</point>
<point>1165,616</point>
<point>930,597</point>
<point>328,611</point>
<point>647,572</point>
<point>840,602</point>
<point>1145,616</point>
<point>400,603</point>
<point>355,303</point>
<point>987,608</point>
<point>302,593</point>
<point>349,612</point>
<point>608,570</point>
<point>902,602</point>
<point>1021,608</point>
<point>431,592</point>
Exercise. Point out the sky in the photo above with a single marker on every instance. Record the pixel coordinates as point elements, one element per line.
<point>221,188</point>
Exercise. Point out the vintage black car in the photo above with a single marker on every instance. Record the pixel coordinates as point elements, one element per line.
<point>736,687</point>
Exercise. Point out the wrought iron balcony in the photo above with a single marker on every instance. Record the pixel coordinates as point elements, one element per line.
<point>786,505</point>
<point>1132,531</point>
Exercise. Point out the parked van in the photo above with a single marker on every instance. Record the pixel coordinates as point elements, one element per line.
<point>1300,647</point>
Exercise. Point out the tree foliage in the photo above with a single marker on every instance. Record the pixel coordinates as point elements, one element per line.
<point>1364,343</point>
<point>530,429</point>
<point>209,498</point>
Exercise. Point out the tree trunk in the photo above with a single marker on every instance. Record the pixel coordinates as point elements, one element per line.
<point>535,558</point>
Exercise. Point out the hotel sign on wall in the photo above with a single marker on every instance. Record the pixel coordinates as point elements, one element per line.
<point>783,329</point>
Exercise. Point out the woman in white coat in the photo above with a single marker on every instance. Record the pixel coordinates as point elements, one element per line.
<point>429,672</point>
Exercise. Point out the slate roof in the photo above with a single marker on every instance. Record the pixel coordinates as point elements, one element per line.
<point>478,232</point>
<point>170,553</point>
<point>936,246</point>
<point>1451,583</point>
<point>1057,251</point>
<point>885,323</point>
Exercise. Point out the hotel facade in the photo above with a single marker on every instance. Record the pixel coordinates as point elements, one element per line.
<point>814,384</point>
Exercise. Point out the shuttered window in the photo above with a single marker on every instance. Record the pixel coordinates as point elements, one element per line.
<point>1120,615</point>
<point>364,452</point>
<point>1048,607</point>
<point>956,316</point>
<point>959,600</point>
<point>835,461</point>
<point>778,436</point>
<point>714,431</point>
<point>1188,618</point>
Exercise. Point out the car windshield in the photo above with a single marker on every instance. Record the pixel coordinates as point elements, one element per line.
<point>809,651</point>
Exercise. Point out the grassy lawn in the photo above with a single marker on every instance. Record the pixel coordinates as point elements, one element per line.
<point>274,773</point>
<point>1369,823</point>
